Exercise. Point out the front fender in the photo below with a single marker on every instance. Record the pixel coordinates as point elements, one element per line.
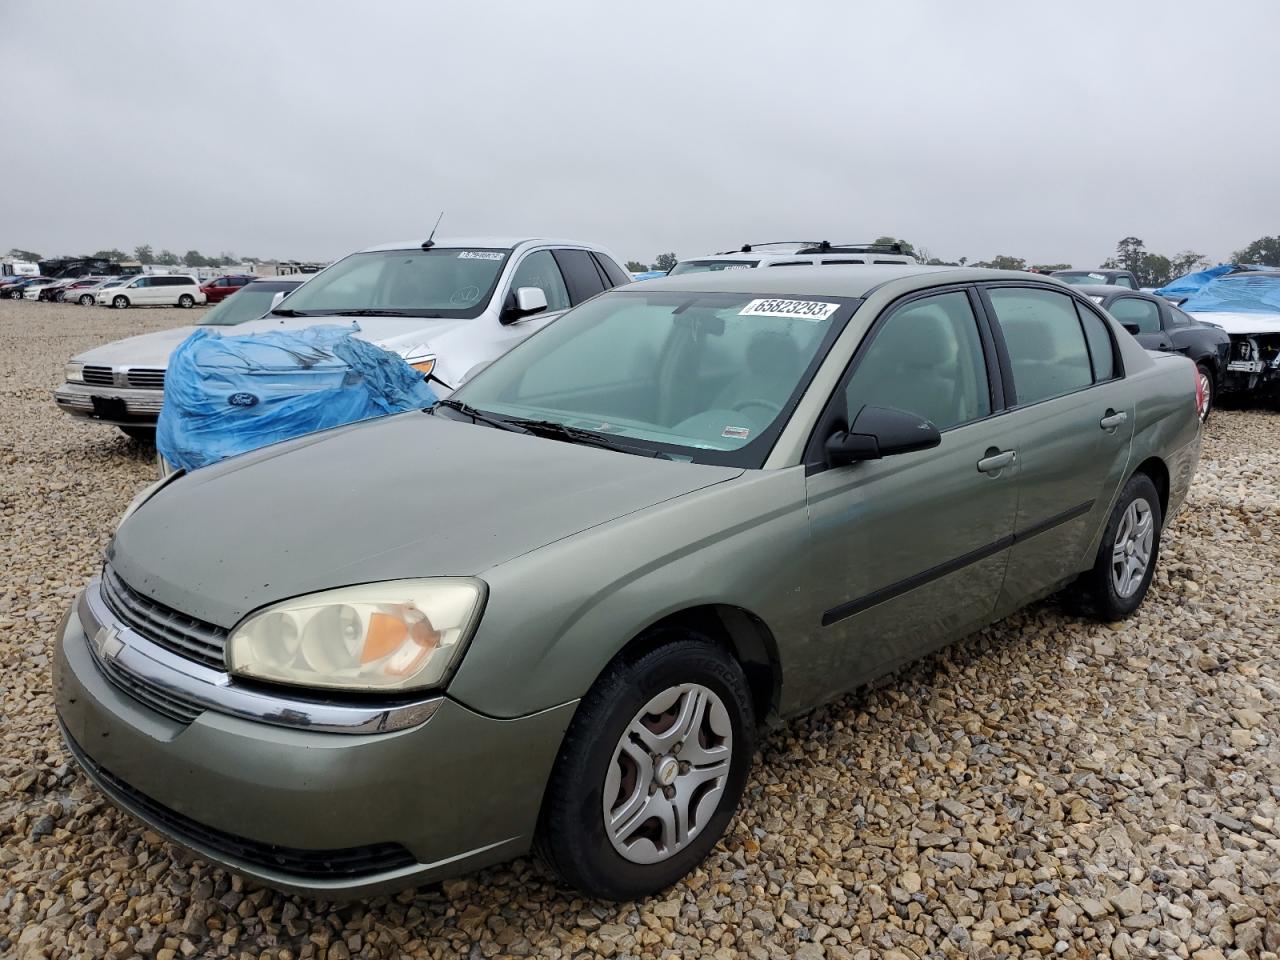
<point>555,617</point>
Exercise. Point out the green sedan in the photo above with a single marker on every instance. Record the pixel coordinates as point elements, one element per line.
<point>556,610</point>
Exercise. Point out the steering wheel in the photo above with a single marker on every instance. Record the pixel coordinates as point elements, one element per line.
<point>465,296</point>
<point>773,408</point>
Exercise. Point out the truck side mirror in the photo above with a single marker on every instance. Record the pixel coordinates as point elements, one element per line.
<point>527,301</point>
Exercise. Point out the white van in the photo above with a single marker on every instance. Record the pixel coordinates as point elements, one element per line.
<point>153,291</point>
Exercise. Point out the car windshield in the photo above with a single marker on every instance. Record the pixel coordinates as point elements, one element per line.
<point>248,303</point>
<point>708,377</point>
<point>711,266</point>
<point>440,282</point>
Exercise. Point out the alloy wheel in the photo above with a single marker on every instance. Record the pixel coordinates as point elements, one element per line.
<point>1206,394</point>
<point>668,773</point>
<point>1131,552</point>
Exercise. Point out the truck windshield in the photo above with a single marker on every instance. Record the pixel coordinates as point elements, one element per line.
<point>440,282</point>
<point>708,377</point>
<point>711,266</point>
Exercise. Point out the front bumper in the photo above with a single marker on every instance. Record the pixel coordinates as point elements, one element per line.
<point>126,407</point>
<point>334,815</point>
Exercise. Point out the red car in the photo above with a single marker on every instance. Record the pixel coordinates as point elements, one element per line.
<point>223,287</point>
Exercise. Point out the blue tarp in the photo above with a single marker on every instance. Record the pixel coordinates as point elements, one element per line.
<point>1191,283</point>
<point>226,395</point>
<point>1253,292</point>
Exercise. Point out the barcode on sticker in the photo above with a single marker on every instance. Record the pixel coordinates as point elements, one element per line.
<point>480,255</point>
<point>811,310</point>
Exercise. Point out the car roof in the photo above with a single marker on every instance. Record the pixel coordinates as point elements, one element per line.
<point>297,281</point>
<point>830,281</point>
<point>504,243</point>
<point>1109,289</point>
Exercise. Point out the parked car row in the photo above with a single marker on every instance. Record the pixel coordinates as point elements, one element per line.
<point>556,609</point>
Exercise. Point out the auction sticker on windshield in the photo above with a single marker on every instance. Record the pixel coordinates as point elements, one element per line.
<point>811,310</point>
<point>480,255</point>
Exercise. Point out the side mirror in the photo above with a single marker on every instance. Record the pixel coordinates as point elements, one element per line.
<point>1132,328</point>
<point>527,301</point>
<point>881,432</point>
<point>275,299</point>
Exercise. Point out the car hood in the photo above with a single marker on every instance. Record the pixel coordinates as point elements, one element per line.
<point>1240,324</point>
<point>412,495</point>
<point>144,350</point>
<point>401,334</point>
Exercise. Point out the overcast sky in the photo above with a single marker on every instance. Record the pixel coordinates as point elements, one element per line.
<point>308,129</point>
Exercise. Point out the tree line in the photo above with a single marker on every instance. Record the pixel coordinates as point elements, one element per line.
<point>145,254</point>
<point>1151,269</point>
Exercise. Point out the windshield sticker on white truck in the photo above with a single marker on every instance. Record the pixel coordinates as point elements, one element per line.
<point>736,433</point>
<point>814,311</point>
<point>480,255</point>
<point>738,266</point>
<point>1097,276</point>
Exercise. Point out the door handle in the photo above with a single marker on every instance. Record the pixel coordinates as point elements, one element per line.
<point>995,462</point>
<point>1113,420</point>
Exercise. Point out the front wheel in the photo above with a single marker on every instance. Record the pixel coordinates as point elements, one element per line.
<point>86,300</point>
<point>186,301</point>
<point>120,302</point>
<point>650,772</point>
<point>1206,391</point>
<point>141,434</point>
<point>1127,556</point>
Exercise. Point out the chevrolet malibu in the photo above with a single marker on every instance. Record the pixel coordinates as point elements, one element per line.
<point>555,610</point>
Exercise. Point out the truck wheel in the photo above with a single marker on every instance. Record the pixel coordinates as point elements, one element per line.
<point>1206,388</point>
<point>650,772</point>
<point>141,434</point>
<point>186,301</point>
<point>1127,556</point>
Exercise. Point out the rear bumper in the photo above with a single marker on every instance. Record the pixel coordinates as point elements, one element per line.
<point>141,407</point>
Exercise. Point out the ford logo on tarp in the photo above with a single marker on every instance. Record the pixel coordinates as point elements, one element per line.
<point>242,399</point>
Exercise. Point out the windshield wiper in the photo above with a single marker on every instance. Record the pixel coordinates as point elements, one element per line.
<point>481,417</point>
<point>562,431</point>
<point>367,312</point>
<point>286,312</point>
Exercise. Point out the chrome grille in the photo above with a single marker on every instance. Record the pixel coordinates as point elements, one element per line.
<point>99,376</point>
<point>147,379</point>
<point>173,706</point>
<point>176,632</point>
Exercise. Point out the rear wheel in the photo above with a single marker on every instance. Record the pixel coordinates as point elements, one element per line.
<point>186,301</point>
<point>120,302</point>
<point>1127,556</point>
<point>1206,391</point>
<point>650,772</point>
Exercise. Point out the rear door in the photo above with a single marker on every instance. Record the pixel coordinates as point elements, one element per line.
<point>909,552</point>
<point>580,273</point>
<point>1073,421</point>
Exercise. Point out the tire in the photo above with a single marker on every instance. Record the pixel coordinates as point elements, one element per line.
<point>86,300</point>
<point>186,301</point>
<point>1206,384</point>
<point>141,434</point>
<point>120,302</point>
<point>599,752</point>
<point>1108,591</point>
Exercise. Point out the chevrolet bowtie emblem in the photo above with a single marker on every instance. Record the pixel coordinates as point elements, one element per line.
<point>107,643</point>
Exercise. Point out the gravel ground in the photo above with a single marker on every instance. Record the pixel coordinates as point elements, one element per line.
<point>1051,786</point>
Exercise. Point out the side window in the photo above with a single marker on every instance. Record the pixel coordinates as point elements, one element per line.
<point>1125,282</point>
<point>1178,319</point>
<point>1046,344</point>
<point>1132,310</point>
<point>539,269</point>
<point>926,359</point>
<point>580,274</point>
<point>142,282</point>
<point>1102,354</point>
<point>617,276</point>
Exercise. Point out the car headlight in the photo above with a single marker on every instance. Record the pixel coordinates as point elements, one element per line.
<point>423,362</point>
<point>393,636</point>
<point>75,372</point>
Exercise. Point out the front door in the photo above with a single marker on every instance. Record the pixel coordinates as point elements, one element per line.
<point>909,552</point>
<point>1072,416</point>
<point>536,269</point>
